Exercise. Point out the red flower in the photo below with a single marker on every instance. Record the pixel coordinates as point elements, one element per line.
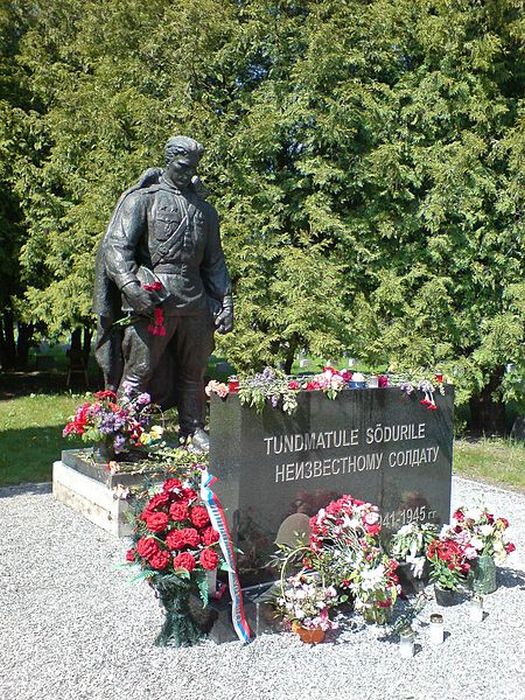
<point>171,485</point>
<point>382,381</point>
<point>458,515</point>
<point>130,554</point>
<point>159,500</point>
<point>156,522</point>
<point>313,386</point>
<point>502,523</point>
<point>384,603</point>
<point>147,547</point>
<point>184,560</point>
<point>175,539</point>
<point>346,375</point>
<point>160,560</point>
<point>373,529</point>
<point>209,559</point>
<point>191,536</point>
<point>179,512</point>
<point>425,402</point>
<point>105,395</point>
<point>189,494</point>
<point>294,385</point>
<point>210,536</point>
<point>153,287</point>
<point>199,516</point>
<point>510,547</point>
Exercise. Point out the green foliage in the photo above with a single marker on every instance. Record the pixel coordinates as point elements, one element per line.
<point>366,159</point>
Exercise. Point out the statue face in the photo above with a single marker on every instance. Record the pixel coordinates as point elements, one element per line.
<point>181,169</point>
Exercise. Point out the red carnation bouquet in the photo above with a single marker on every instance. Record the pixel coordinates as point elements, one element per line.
<point>449,566</point>
<point>176,548</point>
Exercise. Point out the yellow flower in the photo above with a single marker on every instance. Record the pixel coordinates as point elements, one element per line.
<point>156,432</point>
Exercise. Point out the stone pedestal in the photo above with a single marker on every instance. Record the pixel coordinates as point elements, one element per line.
<point>91,497</point>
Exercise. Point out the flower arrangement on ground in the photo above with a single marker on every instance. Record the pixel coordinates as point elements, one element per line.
<point>120,423</point>
<point>305,603</point>
<point>410,543</point>
<point>449,562</point>
<point>345,542</point>
<point>477,529</point>
<point>175,547</point>
<point>485,541</point>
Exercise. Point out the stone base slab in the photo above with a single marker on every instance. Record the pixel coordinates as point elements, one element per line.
<point>93,499</point>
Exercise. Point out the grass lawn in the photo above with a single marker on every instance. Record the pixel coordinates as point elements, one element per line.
<point>497,461</point>
<point>31,435</point>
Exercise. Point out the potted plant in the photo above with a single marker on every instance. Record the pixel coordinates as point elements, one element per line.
<point>175,549</point>
<point>304,603</point>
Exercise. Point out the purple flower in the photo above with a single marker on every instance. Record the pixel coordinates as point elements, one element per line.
<point>143,399</point>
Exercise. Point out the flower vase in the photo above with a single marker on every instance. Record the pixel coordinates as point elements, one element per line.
<point>484,580</point>
<point>445,597</point>
<point>179,628</point>
<point>103,452</point>
<point>308,636</point>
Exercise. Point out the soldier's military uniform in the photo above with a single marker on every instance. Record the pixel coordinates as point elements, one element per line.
<point>175,235</point>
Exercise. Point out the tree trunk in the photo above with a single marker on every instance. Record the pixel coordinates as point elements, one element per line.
<point>487,410</point>
<point>86,342</point>
<point>290,355</point>
<point>25,334</point>
<point>7,341</point>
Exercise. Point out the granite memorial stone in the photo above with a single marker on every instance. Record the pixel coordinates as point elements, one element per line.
<point>277,470</point>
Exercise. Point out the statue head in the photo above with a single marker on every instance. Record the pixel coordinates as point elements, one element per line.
<point>182,158</point>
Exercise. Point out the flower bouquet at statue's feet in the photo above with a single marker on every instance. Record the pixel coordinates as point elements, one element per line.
<point>175,549</point>
<point>117,426</point>
<point>485,541</point>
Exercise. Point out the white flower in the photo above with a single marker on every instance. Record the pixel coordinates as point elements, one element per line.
<point>371,578</point>
<point>474,513</point>
<point>486,530</point>
<point>371,518</point>
<point>477,543</point>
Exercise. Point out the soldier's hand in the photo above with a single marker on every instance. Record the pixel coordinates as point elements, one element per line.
<point>224,321</point>
<point>139,299</point>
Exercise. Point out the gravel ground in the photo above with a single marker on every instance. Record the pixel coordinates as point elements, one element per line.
<point>73,627</point>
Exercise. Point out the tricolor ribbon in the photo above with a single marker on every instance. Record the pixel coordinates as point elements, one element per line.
<point>219,522</point>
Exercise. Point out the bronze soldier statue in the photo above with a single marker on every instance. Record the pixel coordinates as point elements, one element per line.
<point>161,265</point>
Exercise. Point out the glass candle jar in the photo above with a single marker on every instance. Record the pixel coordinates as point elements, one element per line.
<point>437,634</point>
<point>406,642</point>
<point>233,384</point>
<point>476,608</point>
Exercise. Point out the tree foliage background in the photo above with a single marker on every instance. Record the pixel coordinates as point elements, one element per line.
<point>366,158</point>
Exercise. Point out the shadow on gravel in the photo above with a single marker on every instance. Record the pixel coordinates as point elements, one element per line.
<point>26,490</point>
<point>511,578</point>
